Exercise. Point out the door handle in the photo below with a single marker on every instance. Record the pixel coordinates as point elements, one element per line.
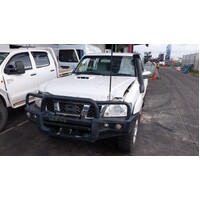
<point>33,74</point>
<point>52,70</point>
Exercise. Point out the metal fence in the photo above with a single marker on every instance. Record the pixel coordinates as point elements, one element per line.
<point>191,59</point>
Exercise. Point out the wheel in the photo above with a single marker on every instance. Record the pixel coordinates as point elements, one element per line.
<point>127,143</point>
<point>3,115</point>
<point>143,102</point>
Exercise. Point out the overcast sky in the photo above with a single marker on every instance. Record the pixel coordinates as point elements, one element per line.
<point>178,50</point>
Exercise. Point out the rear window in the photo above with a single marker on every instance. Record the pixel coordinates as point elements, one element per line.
<point>67,55</point>
<point>3,55</point>
<point>41,59</point>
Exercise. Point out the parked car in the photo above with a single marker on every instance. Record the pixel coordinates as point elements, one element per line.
<point>22,71</point>
<point>102,98</point>
<point>150,66</point>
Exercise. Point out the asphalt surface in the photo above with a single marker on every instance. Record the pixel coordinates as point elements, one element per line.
<point>169,126</point>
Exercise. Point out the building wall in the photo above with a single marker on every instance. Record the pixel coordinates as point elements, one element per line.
<point>4,47</point>
<point>7,46</point>
<point>196,64</point>
<point>191,59</point>
<point>101,46</point>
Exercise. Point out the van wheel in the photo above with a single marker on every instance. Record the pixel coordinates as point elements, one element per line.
<point>127,143</point>
<point>3,115</point>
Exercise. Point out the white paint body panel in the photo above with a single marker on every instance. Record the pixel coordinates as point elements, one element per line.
<point>95,87</point>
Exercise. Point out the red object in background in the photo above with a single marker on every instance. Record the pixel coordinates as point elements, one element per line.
<point>153,77</point>
<point>171,62</point>
<point>130,48</point>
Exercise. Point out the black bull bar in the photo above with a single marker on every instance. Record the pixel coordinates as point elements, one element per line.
<point>53,123</point>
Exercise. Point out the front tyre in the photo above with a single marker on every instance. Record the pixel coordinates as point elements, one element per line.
<point>127,143</point>
<point>3,115</point>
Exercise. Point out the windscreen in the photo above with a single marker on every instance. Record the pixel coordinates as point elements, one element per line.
<point>3,55</point>
<point>67,55</point>
<point>101,65</point>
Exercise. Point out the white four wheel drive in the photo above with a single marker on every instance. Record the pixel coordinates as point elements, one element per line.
<point>102,98</point>
<point>22,71</point>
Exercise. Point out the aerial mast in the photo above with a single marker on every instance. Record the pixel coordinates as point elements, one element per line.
<point>111,63</point>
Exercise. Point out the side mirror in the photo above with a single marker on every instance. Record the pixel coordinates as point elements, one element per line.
<point>20,67</point>
<point>146,74</point>
<point>10,69</point>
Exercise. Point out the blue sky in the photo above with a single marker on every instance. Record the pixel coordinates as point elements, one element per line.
<point>178,50</point>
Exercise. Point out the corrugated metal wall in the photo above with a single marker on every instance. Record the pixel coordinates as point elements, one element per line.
<point>191,59</point>
<point>101,46</point>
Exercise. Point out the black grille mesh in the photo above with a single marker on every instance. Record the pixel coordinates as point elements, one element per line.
<point>69,108</point>
<point>49,105</point>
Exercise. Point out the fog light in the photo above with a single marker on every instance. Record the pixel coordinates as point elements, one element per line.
<point>106,125</point>
<point>118,126</point>
<point>28,114</point>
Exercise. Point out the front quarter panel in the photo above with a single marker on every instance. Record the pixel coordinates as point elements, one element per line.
<point>135,98</point>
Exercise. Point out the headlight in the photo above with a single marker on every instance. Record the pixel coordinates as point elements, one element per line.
<point>38,102</point>
<point>116,111</point>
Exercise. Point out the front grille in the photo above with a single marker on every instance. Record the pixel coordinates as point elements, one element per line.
<point>91,111</point>
<point>50,105</point>
<point>69,109</point>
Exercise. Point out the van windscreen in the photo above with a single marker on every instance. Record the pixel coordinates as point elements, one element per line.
<point>67,55</point>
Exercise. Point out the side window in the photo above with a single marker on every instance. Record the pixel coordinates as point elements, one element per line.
<point>24,57</point>
<point>41,59</point>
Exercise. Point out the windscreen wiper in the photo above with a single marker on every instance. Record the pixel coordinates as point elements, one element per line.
<point>120,74</point>
<point>90,73</point>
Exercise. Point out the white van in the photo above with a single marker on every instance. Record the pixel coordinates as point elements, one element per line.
<point>70,54</point>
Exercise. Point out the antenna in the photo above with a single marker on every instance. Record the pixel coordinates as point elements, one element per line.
<point>111,63</point>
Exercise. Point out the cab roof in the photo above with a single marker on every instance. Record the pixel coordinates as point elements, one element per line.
<point>22,50</point>
<point>114,54</point>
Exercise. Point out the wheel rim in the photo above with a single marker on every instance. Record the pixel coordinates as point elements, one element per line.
<point>135,130</point>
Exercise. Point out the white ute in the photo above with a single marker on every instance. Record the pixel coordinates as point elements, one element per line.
<point>102,98</point>
<point>22,71</point>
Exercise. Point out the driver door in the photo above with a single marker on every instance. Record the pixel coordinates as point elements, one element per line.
<point>18,85</point>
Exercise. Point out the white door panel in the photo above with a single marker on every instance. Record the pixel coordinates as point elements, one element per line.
<point>18,85</point>
<point>45,67</point>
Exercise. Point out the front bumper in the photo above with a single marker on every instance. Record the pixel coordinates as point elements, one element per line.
<point>79,128</point>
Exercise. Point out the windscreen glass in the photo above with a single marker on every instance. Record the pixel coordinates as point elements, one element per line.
<point>101,65</point>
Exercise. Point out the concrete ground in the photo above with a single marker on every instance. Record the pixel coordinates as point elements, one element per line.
<point>169,126</point>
